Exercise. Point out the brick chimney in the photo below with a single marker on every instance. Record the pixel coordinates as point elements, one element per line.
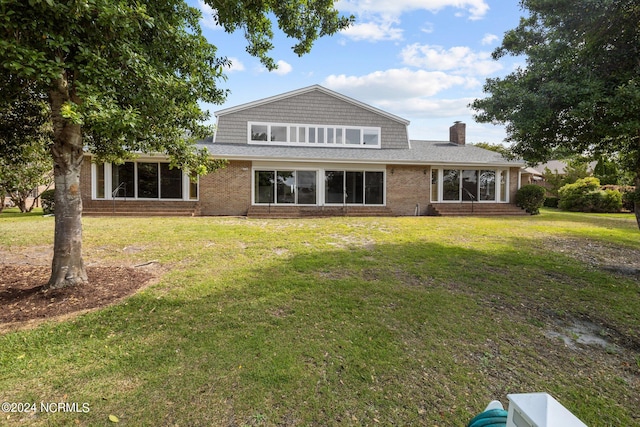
<point>457,133</point>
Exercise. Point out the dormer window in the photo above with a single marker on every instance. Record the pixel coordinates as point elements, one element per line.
<point>318,135</point>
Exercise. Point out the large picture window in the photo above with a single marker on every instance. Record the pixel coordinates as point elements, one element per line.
<point>297,134</point>
<point>306,187</point>
<point>451,184</point>
<point>487,185</point>
<point>122,180</point>
<point>146,180</point>
<point>170,182</point>
<point>314,187</point>
<point>469,185</point>
<point>334,187</point>
<point>354,187</point>
<point>264,186</point>
<point>374,188</point>
<point>285,187</point>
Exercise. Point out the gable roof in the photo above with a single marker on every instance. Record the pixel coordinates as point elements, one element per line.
<point>308,89</point>
<point>560,166</point>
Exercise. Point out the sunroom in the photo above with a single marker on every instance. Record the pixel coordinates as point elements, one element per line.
<point>143,179</point>
<point>450,184</point>
<point>323,186</point>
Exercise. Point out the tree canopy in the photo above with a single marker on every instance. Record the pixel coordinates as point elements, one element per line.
<point>580,89</point>
<point>124,77</point>
<point>25,136</point>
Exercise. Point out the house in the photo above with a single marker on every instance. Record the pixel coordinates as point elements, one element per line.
<point>313,152</point>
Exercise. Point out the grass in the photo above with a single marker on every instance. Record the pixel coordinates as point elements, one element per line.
<point>341,321</point>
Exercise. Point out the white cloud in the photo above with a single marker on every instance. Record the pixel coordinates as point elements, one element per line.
<point>458,59</point>
<point>283,69</point>
<point>409,93</point>
<point>236,65</point>
<point>377,30</point>
<point>489,39</point>
<point>396,84</point>
<point>427,28</point>
<point>209,16</point>
<point>475,8</point>
<point>429,108</point>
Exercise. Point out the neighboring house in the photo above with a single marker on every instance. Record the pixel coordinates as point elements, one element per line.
<point>531,175</point>
<point>559,167</point>
<point>535,174</point>
<point>313,152</point>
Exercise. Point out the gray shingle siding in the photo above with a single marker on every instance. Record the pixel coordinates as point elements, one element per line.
<point>313,107</point>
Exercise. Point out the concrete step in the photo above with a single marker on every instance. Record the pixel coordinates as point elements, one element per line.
<point>139,208</point>
<point>477,209</point>
<point>316,211</point>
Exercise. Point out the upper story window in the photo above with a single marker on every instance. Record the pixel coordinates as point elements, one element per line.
<point>327,135</point>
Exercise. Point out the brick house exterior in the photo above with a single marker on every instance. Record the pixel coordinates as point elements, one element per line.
<point>313,152</point>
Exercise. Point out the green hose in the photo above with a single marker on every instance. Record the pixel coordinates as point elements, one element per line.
<point>490,418</point>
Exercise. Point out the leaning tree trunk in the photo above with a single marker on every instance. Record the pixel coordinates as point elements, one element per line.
<point>67,268</point>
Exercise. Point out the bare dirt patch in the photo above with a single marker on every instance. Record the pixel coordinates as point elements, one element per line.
<point>599,255</point>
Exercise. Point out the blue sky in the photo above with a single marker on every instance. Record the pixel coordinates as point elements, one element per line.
<point>423,60</point>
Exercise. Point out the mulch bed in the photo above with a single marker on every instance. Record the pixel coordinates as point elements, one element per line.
<point>23,299</point>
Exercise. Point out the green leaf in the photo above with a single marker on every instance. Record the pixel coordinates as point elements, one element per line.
<point>113,419</point>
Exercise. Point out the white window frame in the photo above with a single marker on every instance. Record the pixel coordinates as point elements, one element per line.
<point>499,172</point>
<point>275,170</point>
<point>320,183</point>
<point>108,187</point>
<point>364,171</point>
<point>308,128</point>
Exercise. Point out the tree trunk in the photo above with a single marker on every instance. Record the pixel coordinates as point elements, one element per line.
<point>67,268</point>
<point>20,200</point>
<point>636,202</point>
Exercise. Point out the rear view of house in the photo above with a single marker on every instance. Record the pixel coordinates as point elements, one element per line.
<point>314,152</point>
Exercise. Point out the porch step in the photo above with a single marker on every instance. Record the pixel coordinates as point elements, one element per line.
<point>477,209</point>
<point>316,211</point>
<point>139,208</point>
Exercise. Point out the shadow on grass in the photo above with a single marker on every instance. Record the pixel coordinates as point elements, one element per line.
<point>410,334</point>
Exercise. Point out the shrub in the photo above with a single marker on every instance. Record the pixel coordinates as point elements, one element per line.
<point>48,202</point>
<point>530,198</point>
<point>610,201</point>
<point>551,202</point>
<point>585,195</point>
<point>629,196</point>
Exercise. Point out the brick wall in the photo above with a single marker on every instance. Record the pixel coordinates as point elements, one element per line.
<point>226,191</point>
<point>406,187</point>
<point>85,181</point>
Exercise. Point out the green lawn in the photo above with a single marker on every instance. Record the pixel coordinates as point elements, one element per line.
<point>341,321</point>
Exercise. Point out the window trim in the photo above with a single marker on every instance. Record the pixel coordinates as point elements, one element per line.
<point>320,184</point>
<point>317,129</point>
<point>498,189</point>
<point>275,171</point>
<point>108,184</point>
